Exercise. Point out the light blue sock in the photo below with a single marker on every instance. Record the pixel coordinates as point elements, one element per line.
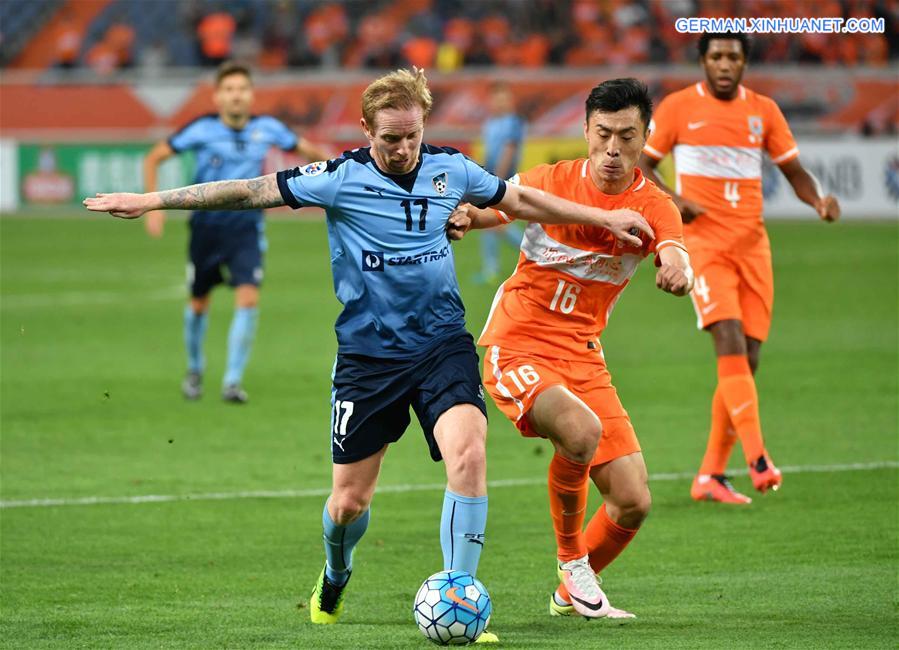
<point>489,253</point>
<point>462,528</point>
<point>194,333</point>
<point>339,544</point>
<point>240,341</point>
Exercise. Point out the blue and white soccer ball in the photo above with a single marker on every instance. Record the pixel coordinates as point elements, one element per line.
<point>452,608</point>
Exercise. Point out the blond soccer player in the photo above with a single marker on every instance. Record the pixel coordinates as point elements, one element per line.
<point>402,342</point>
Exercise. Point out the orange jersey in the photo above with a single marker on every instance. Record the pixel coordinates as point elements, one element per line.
<point>717,147</point>
<point>568,278</point>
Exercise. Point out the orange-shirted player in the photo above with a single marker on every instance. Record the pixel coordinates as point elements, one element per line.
<point>544,366</point>
<point>717,131</point>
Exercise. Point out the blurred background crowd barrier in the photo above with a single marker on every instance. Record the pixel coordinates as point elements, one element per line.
<point>87,85</point>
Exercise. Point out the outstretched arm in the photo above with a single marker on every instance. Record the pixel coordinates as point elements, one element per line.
<point>532,204</point>
<point>247,194</point>
<point>688,209</point>
<point>808,190</point>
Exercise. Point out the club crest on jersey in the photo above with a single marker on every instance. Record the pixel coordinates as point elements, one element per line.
<point>439,182</point>
<point>755,125</point>
<point>314,169</point>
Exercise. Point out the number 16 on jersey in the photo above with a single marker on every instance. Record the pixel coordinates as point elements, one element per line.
<point>566,296</point>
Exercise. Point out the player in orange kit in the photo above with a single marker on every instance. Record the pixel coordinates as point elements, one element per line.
<point>544,365</point>
<point>717,131</point>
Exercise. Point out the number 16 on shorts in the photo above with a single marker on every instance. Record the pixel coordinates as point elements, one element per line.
<point>523,377</point>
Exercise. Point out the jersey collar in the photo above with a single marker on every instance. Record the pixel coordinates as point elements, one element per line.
<point>703,90</point>
<point>405,181</point>
<point>233,129</point>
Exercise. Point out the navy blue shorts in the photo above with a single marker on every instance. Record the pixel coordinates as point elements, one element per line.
<point>370,397</point>
<point>214,248</point>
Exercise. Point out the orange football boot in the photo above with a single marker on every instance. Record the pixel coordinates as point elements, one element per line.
<point>716,487</point>
<point>765,475</point>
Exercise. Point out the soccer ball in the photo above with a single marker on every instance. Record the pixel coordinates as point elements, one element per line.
<point>452,608</point>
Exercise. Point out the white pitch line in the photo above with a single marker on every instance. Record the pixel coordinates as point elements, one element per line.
<point>388,489</point>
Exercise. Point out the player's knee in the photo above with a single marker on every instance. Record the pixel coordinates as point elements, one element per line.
<point>632,513</point>
<point>579,449</point>
<point>199,305</point>
<point>347,508</point>
<point>468,461</point>
<point>247,301</point>
<point>728,336</point>
<point>643,505</point>
<point>635,509</point>
<point>246,296</point>
<point>580,438</point>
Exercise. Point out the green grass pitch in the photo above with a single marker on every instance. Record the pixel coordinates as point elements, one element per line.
<point>91,363</point>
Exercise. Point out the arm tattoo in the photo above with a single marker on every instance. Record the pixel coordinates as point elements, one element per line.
<point>254,193</point>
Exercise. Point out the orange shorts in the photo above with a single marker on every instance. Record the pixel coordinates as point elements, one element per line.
<point>515,379</point>
<point>734,286</point>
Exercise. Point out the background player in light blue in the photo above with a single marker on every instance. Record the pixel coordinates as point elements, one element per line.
<point>503,137</point>
<point>401,335</point>
<point>230,144</point>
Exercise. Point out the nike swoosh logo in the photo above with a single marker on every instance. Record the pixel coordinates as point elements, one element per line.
<point>595,607</point>
<point>451,594</point>
<point>742,407</point>
<point>692,126</point>
<point>705,310</point>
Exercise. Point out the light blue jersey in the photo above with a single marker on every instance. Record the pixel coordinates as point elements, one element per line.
<point>391,260</point>
<point>224,153</point>
<point>497,132</point>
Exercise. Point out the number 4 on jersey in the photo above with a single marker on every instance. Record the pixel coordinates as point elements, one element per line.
<point>732,193</point>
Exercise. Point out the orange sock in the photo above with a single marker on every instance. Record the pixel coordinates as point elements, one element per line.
<point>605,541</point>
<point>721,438</point>
<point>567,504</point>
<point>737,387</point>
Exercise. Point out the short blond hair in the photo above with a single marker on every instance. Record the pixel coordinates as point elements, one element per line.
<point>400,89</point>
<point>228,68</point>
